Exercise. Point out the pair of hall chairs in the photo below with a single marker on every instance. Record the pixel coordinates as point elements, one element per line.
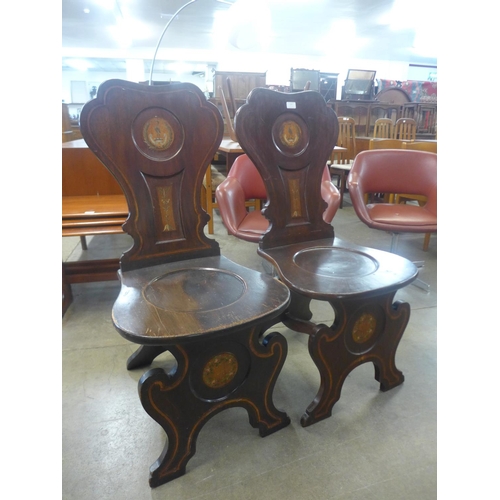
<point>179,294</point>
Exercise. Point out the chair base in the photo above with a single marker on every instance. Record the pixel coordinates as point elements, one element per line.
<point>420,263</point>
<point>212,374</point>
<point>364,330</point>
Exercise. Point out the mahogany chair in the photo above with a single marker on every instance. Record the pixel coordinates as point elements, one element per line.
<point>340,163</point>
<point>396,171</point>
<point>178,293</point>
<point>245,183</point>
<point>289,138</point>
<point>405,129</point>
<point>383,129</point>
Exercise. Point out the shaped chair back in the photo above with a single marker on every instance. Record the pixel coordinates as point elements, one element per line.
<point>289,138</point>
<point>164,137</point>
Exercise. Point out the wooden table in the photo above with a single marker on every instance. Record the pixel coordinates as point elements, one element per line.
<point>92,203</point>
<point>231,150</point>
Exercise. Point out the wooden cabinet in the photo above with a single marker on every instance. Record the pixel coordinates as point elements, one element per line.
<point>241,83</point>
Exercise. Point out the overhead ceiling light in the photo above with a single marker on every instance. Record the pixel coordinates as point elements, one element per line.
<point>250,24</point>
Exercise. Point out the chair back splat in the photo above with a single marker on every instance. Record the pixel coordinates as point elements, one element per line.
<point>292,163</point>
<point>178,293</point>
<point>154,158</point>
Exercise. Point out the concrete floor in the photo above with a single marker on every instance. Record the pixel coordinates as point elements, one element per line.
<point>374,446</point>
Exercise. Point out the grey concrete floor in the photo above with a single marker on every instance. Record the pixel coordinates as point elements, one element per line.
<point>374,446</point>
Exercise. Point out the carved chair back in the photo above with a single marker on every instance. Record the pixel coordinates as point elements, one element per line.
<point>157,141</point>
<point>289,138</point>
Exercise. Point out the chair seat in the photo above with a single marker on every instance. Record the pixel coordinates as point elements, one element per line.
<point>191,298</point>
<point>253,226</point>
<point>327,269</point>
<point>402,215</point>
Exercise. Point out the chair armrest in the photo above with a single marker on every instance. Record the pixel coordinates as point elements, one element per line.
<point>331,195</point>
<point>231,200</point>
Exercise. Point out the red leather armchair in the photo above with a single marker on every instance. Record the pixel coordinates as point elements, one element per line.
<point>395,171</point>
<point>245,183</point>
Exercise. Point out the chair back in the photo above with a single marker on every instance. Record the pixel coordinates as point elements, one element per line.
<point>347,138</point>
<point>394,171</point>
<point>386,144</point>
<point>405,129</point>
<point>384,128</point>
<point>289,138</point>
<point>157,141</point>
<point>430,147</point>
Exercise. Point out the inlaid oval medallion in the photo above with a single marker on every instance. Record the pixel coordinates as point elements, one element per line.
<point>364,328</point>
<point>290,133</point>
<point>290,136</point>
<point>220,370</point>
<point>158,134</point>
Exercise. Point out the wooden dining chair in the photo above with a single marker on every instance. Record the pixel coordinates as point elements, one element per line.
<point>213,178</point>
<point>383,129</point>
<point>405,129</point>
<point>289,138</point>
<point>178,293</point>
<point>429,146</point>
<point>341,162</point>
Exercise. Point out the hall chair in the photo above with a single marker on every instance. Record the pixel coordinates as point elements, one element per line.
<point>341,162</point>
<point>289,138</point>
<point>396,171</point>
<point>178,293</point>
<point>383,128</point>
<point>405,129</point>
<point>245,183</point>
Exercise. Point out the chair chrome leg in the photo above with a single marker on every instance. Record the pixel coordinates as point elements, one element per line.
<point>418,282</point>
<point>419,263</point>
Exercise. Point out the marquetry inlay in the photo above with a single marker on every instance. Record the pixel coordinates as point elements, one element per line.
<point>158,134</point>
<point>220,370</point>
<point>166,208</point>
<point>364,328</point>
<point>294,191</point>
<point>290,133</point>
